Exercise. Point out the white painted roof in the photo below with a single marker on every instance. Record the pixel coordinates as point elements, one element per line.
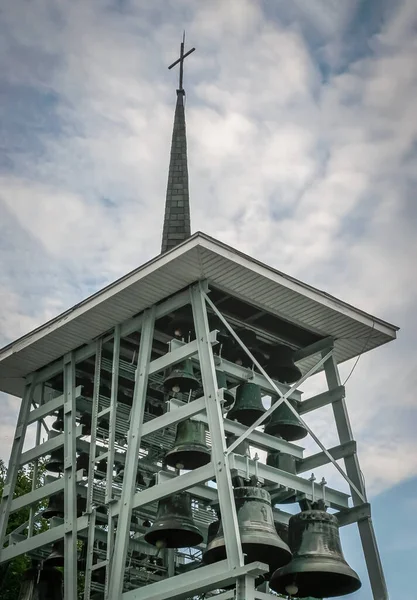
<point>199,257</point>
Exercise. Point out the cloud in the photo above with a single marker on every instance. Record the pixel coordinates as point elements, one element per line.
<point>302,136</point>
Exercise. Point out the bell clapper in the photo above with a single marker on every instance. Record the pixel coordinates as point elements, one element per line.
<point>176,389</point>
<point>291,589</point>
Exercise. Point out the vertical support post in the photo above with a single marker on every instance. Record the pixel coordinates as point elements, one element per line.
<point>245,588</point>
<point>112,418</point>
<point>132,455</point>
<point>218,438</point>
<point>70,490</point>
<point>36,462</point>
<point>366,528</point>
<point>90,510</point>
<point>14,462</point>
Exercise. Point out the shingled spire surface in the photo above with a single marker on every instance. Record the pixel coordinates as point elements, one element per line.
<point>177,205</point>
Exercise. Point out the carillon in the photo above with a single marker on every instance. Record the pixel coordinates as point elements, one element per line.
<point>164,373</point>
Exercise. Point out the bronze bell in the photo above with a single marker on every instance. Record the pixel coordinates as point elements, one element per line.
<point>174,526</point>
<point>101,471</point>
<point>284,423</point>
<point>55,462</point>
<point>55,506</point>
<point>41,584</point>
<point>318,567</point>
<point>56,557</point>
<point>181,378</point>
<point>282,460</point>
<point>258,535</point>
<point>85,422</point>
<point>248,406</point>
<point>58,424</point>
<point>226,345</point>
<point>83,461</point>
<point>281,365</point>
<point>240,357</point>
<point>182,326</point>
<point>222,384</point>
<point>190,450</point>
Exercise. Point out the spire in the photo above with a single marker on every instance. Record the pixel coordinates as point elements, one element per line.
<point>177,205</point>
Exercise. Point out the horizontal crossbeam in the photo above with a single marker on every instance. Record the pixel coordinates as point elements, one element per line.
<point>318,460</point>
<point>195,582</point>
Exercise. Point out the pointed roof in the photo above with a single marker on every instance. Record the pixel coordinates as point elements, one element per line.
<point>177,226</point>
<point>269,293</point>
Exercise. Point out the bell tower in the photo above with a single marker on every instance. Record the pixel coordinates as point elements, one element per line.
<point>168,418</point>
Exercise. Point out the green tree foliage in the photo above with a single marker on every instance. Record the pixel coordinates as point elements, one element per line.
<point>11,573</point>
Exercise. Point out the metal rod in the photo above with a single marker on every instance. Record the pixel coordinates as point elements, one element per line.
<point>274,406</point>
<point>35,464</point>
<point>70,481</point>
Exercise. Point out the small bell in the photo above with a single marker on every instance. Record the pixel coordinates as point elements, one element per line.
<point>55,462</point>
<point>240,357</point>
<point>182,326</point>
<point>190,450</point>
<point>259,538</point>
<point>181,379</point>
<point>58,424</point>
<point>222,384</point>
<point>281,364</point>
<point>87,386</point>
<point>85,422</point>
<point>56,557</point>
<point>248,406</point>
<point>318,567</point>
<point>83,462</point>
<point>101,471</point>
<point>174,526</point>
<point>284,423</point>
<point>55,506</point>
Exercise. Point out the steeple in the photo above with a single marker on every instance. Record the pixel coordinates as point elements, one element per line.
<point>177,226</point>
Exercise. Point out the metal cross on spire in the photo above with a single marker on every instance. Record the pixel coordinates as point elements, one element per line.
<point>180,60</point>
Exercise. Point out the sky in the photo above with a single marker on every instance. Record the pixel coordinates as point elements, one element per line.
<point>302,145</point>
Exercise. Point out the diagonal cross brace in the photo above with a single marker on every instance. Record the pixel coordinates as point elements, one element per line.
<point>282,398</point>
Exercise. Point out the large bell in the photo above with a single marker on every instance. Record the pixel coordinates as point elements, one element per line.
<point>190,450</point>
<point>55,462</point>
<point>181,378</point>
<point>55,506</point>
<point>318,567</point>
<point>281,365</point>
<point>56,557</point>
<point>41,584</point>
<point>248,406</point>
<point>222,384</point>
<point>284,423</point>
<point>174,526</point>
<point>258,535</point>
